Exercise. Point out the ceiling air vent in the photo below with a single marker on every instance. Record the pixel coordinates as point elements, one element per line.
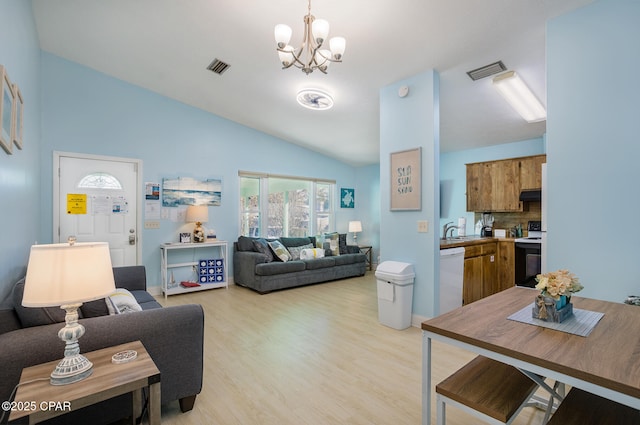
<point>487,70</point>
<point>218,67</point>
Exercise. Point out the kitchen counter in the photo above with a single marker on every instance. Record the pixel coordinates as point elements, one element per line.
<point>470,241</point>
<point>488,265</point>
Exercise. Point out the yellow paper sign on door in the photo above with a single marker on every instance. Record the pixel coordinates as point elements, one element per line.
<point>76,203</point>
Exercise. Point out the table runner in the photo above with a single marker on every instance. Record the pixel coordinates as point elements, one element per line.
<point>581,323</point>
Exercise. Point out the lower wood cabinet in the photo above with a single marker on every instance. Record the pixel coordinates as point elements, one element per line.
<point>480,272</point>
<point>488,269</point>
<point>506,265</point>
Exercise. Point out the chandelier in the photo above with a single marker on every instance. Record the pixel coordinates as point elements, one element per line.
<point>310,55</point>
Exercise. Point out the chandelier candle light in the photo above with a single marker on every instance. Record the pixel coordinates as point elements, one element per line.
<point>310,55</point>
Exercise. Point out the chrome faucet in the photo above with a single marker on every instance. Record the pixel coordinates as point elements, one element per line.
<point>446,228</point>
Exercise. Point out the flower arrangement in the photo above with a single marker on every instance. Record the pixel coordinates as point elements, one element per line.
<point>558,283</point>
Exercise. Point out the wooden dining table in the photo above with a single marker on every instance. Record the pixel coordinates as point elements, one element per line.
<point>606,362</point>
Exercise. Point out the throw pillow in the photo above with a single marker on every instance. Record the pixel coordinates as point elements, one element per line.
<point>280,251</point>
<point>122,301</point>
<point>263,247</point>
<point>342,243</point>
<point>95,308</point>
<point>296,250</point>
<point>333,239</point>
<point>319,241</point>
<point>311,253</point>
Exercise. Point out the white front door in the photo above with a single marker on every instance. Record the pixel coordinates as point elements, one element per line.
<point>96,200</point>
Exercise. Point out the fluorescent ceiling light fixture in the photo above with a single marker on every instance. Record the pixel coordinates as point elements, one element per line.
<point>315,99</point>
<point>519,96</point>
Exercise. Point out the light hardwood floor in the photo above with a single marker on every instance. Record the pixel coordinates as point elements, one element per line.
<point>315,355</point>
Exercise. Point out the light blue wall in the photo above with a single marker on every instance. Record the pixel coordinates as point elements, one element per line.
<point>453,175</point>
<point>88,112</point>
<point>592,146</point>
<point>368,207</point>
<point>407,123</point>
<point>19,173</point>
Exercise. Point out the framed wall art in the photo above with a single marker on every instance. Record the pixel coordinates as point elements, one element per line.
<point>18,106</point>
<point>406,177</point>
<point>189,191</point>
<point>347,198</point>
<point>6,111</point>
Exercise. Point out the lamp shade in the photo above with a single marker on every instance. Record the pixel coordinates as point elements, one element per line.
<point>355,226</point>
<point>197,214</point>
<point>60,274</point>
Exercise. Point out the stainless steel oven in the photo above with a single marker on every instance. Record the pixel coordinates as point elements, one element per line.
<point>528,256</point>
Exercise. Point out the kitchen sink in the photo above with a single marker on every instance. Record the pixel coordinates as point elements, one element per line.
<point>458,239</point>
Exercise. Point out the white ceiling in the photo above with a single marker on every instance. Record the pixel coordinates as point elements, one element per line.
<point>166,45</point>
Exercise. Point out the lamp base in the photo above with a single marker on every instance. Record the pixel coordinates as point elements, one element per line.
<point>71,369</point>
<point>198,233</point>
<point>74,366</point>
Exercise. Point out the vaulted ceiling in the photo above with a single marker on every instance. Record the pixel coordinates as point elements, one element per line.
<point>166,45</point>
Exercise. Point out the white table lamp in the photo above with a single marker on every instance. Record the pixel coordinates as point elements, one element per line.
<point>355,227</point>
<point>67,275</point>
<point>197,214</point>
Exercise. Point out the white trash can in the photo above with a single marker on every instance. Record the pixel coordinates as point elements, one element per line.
<point>395,293</point>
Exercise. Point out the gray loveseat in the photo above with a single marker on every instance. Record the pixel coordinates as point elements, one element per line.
<point>262,273</point>
<point>173,336</point>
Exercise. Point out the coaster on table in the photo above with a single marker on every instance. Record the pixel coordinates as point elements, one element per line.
<point>124,356</point>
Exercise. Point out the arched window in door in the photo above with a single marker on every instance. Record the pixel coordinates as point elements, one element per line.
<point>99,181</point>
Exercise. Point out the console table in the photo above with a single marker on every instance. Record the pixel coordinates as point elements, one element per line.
<point>187,257</point>
<point>39,400</point>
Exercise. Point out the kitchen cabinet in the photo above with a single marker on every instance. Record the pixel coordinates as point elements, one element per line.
<point>480,271</point>
<point>506,265</point>
<point>531,171</point>
<point>505,186</point>
<point>496,185</point>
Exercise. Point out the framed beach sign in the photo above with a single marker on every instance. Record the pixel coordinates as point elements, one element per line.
<point>6,111</point>
<point>406,180</point>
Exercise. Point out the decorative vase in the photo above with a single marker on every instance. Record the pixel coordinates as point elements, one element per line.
<point>551,310</point>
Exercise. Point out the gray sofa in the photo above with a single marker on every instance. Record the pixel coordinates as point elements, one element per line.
<point>173,336</point>
<point>256,270</point>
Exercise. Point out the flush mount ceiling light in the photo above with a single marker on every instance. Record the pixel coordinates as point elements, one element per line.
<point>310,55</point>
<point>519,96</point>
<point>315,99</point>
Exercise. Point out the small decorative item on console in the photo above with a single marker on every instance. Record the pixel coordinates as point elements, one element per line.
<point>554,302</point>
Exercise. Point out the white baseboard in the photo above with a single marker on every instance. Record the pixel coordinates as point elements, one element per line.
<point>416,320</point>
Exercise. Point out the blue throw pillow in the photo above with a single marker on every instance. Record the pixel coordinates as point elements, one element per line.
<point>263,247</point>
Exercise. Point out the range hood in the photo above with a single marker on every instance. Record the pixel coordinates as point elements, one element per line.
<point>531,195</point>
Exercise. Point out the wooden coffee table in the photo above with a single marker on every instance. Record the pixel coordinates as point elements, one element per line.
<point>40,400</point>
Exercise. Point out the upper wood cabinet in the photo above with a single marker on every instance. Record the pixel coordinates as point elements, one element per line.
<point>531,171</point>
<point>496,185</point>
